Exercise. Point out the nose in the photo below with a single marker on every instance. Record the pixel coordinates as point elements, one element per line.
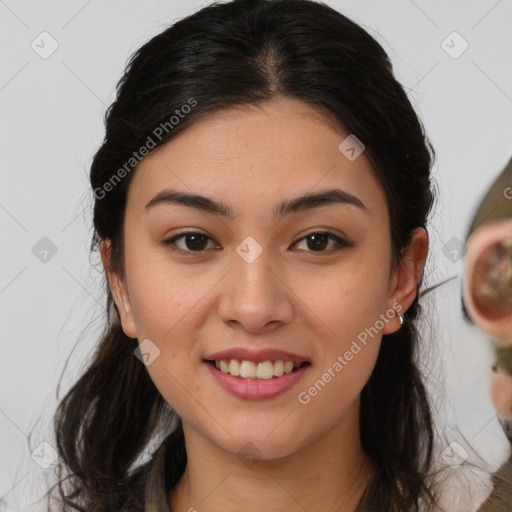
<point>255,296</point>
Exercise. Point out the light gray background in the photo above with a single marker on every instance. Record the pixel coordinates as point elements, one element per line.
<point>52,123</point>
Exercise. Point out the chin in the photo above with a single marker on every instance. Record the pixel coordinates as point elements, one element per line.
<point>252,445</point>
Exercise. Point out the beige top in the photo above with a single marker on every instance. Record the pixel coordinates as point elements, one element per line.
<point>156,488</point>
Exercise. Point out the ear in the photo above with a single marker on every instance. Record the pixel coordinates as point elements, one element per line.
<point>119,292</point>
<point>487,283</point>
<point>405,278</point>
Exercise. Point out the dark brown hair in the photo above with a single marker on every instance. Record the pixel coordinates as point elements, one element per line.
<point>228,54</point>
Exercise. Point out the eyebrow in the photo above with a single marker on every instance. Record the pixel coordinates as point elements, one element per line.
<point>301,203</point>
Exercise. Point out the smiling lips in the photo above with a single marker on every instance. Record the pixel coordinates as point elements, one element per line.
<point>261,364</point>
<point>256,374</point>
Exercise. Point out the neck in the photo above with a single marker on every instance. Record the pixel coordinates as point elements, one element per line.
<point>328,475</point>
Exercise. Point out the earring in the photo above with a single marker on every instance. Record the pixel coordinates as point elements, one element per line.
<point>400,317</point>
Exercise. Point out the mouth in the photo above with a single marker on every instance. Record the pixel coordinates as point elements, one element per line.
<point>262,380</point>
<point>260,371</point>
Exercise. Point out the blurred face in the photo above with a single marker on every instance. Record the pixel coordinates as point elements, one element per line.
<point>227,292</point>
<point>487,293</point>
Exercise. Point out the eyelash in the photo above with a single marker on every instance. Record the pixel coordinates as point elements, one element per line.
<point>170,242</point>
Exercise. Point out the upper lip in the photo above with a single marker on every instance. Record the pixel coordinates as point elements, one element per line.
<point>256,356</point>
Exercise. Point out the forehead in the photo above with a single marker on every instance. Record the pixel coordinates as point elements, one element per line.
<point>253,155</point>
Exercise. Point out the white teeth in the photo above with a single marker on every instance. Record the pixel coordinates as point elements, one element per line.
<point>234,367</point>
<point>278,368</point>
<point>265,370</point>
<point>249,370</point>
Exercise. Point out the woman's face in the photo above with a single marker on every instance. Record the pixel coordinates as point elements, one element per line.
<point>257,280</point>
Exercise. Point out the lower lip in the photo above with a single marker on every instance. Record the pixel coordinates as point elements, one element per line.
<point>254,389</point>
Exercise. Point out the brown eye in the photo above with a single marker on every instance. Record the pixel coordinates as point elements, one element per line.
<point>318,241</point>
<point>193,242</point>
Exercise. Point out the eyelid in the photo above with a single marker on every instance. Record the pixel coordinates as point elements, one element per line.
<point>341,242</point>
<point>170,242</point>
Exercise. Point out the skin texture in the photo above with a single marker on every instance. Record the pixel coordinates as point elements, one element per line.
<point>292,297</point>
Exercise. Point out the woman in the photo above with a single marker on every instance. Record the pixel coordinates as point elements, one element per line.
<point>261,201</point>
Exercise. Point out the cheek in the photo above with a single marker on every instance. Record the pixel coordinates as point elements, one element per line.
<point>163,293</point>
<point>160,306</point>
<point>334,385</point>
<point>346,301</point>
<point>165,301</point>
<point>349,313</point>
<point>164,311</point>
